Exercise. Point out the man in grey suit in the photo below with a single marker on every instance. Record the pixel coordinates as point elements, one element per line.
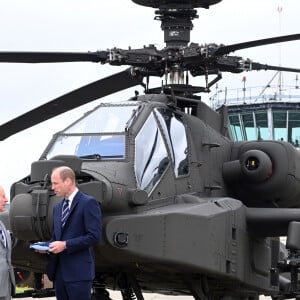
<point>7,278</point>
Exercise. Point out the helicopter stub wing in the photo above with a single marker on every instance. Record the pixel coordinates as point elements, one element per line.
<point>269,222</point>
<point>88,93</point>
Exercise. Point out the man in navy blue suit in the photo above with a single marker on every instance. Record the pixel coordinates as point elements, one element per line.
<point>75,231</point>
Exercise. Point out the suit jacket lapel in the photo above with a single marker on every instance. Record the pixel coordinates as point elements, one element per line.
<point>74,202</point>
<point>8,242</point>
<point>57,221</point>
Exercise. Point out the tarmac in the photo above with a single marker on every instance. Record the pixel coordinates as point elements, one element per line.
<point>115,295</point>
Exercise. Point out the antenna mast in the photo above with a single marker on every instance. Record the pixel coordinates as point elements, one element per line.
<point>279,9</point>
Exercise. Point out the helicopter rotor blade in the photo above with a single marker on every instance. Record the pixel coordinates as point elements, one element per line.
<point>52,57</point>
<point>280,39</point>
<point>88,93</point>
<point>258,66</point>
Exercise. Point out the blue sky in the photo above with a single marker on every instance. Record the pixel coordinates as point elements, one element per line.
<point>90,25</point>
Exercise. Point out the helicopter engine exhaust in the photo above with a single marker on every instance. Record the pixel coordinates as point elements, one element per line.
<point>264,174</point>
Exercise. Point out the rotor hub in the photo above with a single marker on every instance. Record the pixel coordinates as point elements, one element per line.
<point>176,17</point>
<point>177,3</point>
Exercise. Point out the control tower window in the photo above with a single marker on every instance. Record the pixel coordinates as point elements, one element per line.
<point>235,128</point>
<point>261,119</point>
<point>151,157</point>
<point>280,125</point>
<point>174,131</point>
<point>286,126</point>
<point>272,124</point>
<point>249,126</point>
<point>294,128</point>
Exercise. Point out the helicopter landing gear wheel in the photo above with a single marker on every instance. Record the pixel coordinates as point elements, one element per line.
<point>129,287</point>
<point>99,291</point>
<point>199,288</point>
<point>101,295</point>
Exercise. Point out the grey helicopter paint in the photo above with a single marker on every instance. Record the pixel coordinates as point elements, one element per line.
<point>186,211</point>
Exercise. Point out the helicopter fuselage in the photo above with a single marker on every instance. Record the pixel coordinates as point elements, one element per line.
<point>170,218</point>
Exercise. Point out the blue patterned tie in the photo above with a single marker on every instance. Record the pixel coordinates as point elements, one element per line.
<point>65,212</point>
<point>2,237</point>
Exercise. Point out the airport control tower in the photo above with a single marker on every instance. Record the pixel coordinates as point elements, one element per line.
<point>270,112</point>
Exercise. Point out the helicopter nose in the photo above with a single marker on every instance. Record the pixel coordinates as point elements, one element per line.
<point>30,215</point>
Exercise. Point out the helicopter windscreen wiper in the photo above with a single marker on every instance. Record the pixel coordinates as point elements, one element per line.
<point>95,156</point>
<point>98,156</point>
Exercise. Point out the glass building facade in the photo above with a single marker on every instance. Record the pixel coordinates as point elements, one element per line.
<point>274,121</point>
<point>264,117</point>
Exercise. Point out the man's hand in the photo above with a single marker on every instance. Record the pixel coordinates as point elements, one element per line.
<point>41,251</point>
<point>57,247</point>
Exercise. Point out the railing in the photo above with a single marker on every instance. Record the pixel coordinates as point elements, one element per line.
<point>254,95</point>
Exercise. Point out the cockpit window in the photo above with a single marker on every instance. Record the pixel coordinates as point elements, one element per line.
<point>151,158</point>
<point>174,130</point>
<point>98,135</point>
<point>106,119</point>
<point>109,146</point>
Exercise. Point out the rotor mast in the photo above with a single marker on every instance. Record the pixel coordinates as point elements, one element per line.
<point>176,18</point>
<point>176,22</point>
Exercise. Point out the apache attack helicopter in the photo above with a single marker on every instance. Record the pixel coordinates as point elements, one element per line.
<point>186,211</point>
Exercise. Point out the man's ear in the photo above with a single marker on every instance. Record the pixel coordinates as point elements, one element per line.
<point>68,181</point>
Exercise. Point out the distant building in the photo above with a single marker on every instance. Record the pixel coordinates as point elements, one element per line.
<point>268,113</point>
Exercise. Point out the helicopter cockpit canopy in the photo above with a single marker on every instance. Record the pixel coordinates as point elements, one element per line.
<point>99,133</point>
<point>103,135</point>
<point>161,140</point>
